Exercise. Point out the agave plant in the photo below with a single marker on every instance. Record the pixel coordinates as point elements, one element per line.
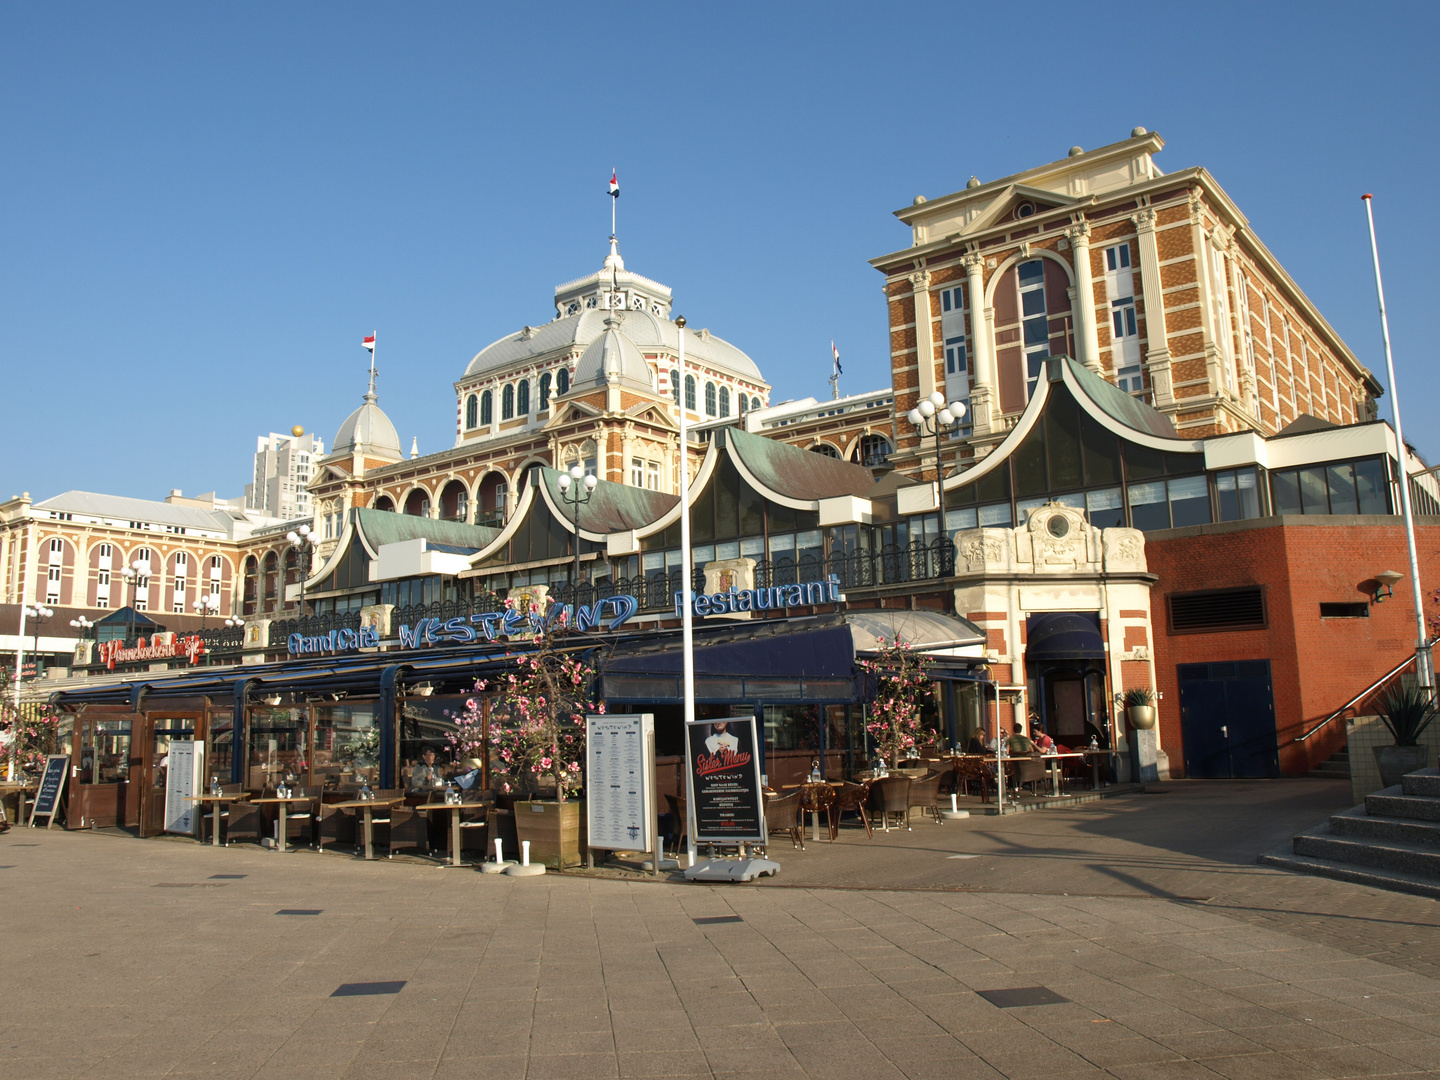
<point>1407,712</point>
<point>1138,697</point>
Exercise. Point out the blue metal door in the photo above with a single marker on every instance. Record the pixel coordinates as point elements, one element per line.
<point>1227,719</point>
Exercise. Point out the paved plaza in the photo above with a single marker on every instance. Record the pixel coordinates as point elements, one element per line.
<point>1175,955</point>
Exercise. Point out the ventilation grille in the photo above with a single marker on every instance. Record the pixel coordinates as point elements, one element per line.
<point>1219,609</point>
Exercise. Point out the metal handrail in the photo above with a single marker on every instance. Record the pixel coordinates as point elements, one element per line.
<point>1359,697</point>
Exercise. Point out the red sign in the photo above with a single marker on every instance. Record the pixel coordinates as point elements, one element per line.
<point>114,652</point>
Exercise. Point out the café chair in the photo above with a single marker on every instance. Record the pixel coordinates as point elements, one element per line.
<point>890,797</point>
<point>782,813</point>
<point>1028,769</point>
<point>242,823</point>
<point>674,825</point>
<point>925,794</point>
<point>973,770</point>
<point>336,826</point>
<point>854,797</point>
<point>475,826</point>
<point>223,809</point>
<point>815,799</point>
<point>382,816</point>
<point>409,831</point>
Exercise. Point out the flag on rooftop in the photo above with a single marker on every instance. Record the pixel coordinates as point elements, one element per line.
<point>369,343</point>
<point>836,353</point>
<point>614,184</point>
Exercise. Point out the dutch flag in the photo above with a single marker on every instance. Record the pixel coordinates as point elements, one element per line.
<point>614,184</point>
<point>836,353</point>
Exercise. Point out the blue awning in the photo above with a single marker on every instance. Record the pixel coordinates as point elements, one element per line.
<point>1064,635</point>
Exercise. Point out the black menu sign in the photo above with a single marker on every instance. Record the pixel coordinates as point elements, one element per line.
<point>52,783</point>
<point>726,801</point>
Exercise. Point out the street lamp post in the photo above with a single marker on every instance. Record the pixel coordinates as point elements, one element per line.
<point>206,605</point>
<point>933,417</point>
<point>135,573</point>
<point>584,487</point>
<point>38,612</point>
<point>301,542</point>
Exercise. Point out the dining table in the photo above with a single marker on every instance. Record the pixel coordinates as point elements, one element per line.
<point>367,806</point>
<point>21,790</point>
<point>218,802</point>
<point>282,804</point>
<point>1095,756</point>
<point>1054,764</point>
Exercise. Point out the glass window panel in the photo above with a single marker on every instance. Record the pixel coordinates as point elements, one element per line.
<point>1037,331</point>
<point>1285,492</point>
<point>1062,440</point>
<point>702,554</point>
<point>753,547</point>
<point>1105,507</point>
<point>1314,494</point>
<point>783,542</point>
<point>809,539</point>
<point>347,742</point>
<point>1189,501</point>
<point>993,486</point>
<point>1028,462</point>
<point>960,519</point>
<point>653,560</point>
<point>1248,486</point>
<point>730,550</point>
<point>999,514</point>
<point>807,519</point>
<point>781,518</point>
<point>1371,486</point>
<point>1148,506</point>
<point>1341,479</point>
<point>1102,461</point>
<point>1033,303</point>
<point>1141,462</point>
<point>1031,273</point>
<point>1023,507</point>
<point>727,505</point>
<point>961,496</point>
<point>672,558</point>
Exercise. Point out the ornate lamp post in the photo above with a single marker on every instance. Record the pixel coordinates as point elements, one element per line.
<point>301,542</point>
<point>82,624</point>
<point>206,605</point>
<point>933,417</point>
<point>135,573</point>
<point>38,612</point>
<point>583,487</point>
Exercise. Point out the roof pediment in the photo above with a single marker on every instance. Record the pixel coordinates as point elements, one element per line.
<point>1010,199</point>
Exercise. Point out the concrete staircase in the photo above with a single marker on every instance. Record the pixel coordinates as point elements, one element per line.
<point>1391,842</point>
<point>1335,767</point>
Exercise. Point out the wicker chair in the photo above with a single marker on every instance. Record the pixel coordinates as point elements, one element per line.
<point>242,823</point>
<point>475,827</point>
<point>925,793</point>
<point>890,795</point>
<point>850,797</point>
<point>974,770</point>
<point>815,799</point>
<point>1029,769</point>
<point>223,809</point>
<point>409,831</point>
<point>782,813</point>
<point>336,826</point>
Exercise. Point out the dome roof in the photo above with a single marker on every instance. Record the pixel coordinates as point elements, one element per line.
<point>612,357</point>
<point>643,328</point>
<point>368,430</point>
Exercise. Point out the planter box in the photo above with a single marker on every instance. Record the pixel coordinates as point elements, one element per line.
<point>556,831</point>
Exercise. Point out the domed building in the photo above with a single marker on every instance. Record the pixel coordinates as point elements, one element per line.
<point>595,386</point>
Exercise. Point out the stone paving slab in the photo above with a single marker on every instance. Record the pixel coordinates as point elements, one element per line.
<point>1196,964</point>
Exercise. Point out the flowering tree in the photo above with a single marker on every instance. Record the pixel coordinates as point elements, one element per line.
<point>537,723</point>
<point>902,683</point>
<point>32,737</point>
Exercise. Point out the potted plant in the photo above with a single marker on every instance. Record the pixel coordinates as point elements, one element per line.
<point>537,748</point>
<point>902,682</point>
<point>1140,708</point>
<point>1406,711</point>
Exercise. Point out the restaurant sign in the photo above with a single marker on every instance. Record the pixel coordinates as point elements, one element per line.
<point>723,757</point>
<point>159,647</point>
<point>770,598</point>
<point>608,613</point>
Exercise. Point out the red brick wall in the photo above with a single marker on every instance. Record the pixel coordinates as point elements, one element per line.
<point>1316,665</point>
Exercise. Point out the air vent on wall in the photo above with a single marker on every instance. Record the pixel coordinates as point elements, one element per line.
<point>1216,610</point>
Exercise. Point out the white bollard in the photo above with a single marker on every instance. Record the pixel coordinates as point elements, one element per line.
<point>954,804</point>
<point>499,850</point>
<point>525,853</point>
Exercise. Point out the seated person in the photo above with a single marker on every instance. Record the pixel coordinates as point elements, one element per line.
<point>425,776</point>
<point>1020,743</point>
<point>976,745</point>
<point>1043,741</point>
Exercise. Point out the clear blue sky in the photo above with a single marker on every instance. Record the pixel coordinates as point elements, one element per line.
<point>206,206</point>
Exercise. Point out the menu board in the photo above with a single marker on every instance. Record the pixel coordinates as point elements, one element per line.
<point>620,781</point>
<point>726,801</point>
<point>182,783</point>
<point>52,783</point>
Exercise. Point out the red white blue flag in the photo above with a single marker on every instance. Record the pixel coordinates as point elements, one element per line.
<point>614,184</point>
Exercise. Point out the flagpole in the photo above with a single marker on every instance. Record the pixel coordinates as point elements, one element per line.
<point>687,586</point>
<point>613,201</point>
<point>1424,672</point>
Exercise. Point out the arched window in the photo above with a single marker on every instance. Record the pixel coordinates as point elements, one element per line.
<point>544,391</point>
<point>709,399</point>
<point>507,403</point>
<point>724,401</point>
<point>754,403</point>
<point>562,381</point>
<point>825,450</point>
<point>690,392</point>
<point>250,597</point>
<point>487,408</point>
<point>271,588</point>
<point>874,449</point>
<point>522,398</point>
<point>472,412</point>
<point>675,385</point>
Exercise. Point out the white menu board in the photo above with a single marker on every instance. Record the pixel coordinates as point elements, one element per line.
<point>182,780</point>
<point>620,781</point>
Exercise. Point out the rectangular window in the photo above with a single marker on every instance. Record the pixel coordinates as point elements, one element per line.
<point>1148,507</point>
<point>57,549</point>
<point>105,553</point>
<point>1117,257</point>
<point>637,472</point>
<point>1105,508</point>
<point>1034,321</point>
<point>652,475</point>
<point>1238,494</point>
<point>1216,610</point>
<point>1357,610</point>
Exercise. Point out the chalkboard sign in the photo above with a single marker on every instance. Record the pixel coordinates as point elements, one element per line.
<point>52,783</point>
<point>726,802</point>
